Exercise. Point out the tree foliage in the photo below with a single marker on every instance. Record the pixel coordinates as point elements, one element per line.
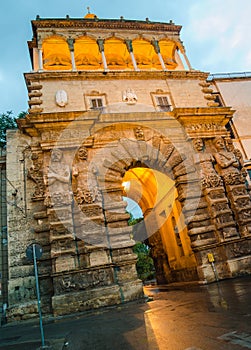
<point>145,265</point>
<point>8,121</point>
<point>132,221</point>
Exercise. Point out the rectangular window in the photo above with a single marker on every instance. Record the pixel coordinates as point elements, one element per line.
<point>96,103</point>
<point>163,103</point>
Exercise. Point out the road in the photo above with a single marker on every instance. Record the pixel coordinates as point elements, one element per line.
<point>176,317</point>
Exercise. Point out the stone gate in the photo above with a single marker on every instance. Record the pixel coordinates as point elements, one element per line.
<point>99,117</point>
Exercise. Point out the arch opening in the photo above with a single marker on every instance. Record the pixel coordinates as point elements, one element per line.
<point>56,54</point>
<point>162,228</point>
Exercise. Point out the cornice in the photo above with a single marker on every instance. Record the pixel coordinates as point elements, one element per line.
<point>113,75</point>
<point>82,23</point>
<point>188,112</point>
<point>205,122</point>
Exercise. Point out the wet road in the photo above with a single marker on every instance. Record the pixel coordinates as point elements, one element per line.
<point>216,316</point>
<point>178,317</point>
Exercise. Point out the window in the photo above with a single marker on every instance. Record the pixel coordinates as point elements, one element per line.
<point>96,103</point>
<point>163,104</point>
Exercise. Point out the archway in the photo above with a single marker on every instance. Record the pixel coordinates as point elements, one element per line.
<point>164,231</point>
<point>160,177</point>
<point>56,54</point>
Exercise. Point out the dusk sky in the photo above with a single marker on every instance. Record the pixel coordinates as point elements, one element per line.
<point>216,34</point>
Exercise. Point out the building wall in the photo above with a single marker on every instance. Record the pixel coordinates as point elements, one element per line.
<point>183,93</point>
<point>236,93</point>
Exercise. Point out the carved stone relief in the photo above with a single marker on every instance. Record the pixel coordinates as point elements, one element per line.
<point>139,134</point>
<point>208,175</point>
<point>83,179</point>
<point>230,167</point>
<point>35,173</point>
<point>61,98</point>
<point>57,181</point>
<point>214,192</point>
<point>58,200</point>
<point>83,281</point>
<point>129,97</point>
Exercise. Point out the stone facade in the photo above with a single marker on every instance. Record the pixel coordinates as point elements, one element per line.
<point>86,128</point>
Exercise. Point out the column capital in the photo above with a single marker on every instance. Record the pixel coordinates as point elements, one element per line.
<point>155,44</point>
<point>39,42</point>
<point>70,43</point>
<point>100,43</point>
<point>128,43</point>
<point>182,49</point>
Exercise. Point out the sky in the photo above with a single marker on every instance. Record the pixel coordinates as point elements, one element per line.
<point>216,34</point>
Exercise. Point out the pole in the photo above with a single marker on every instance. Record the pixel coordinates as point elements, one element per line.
<point>215,272</point>
<point>38,296</point>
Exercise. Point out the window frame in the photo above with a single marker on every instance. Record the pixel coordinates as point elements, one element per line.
<point>97,97</point>
<point>165,107</point>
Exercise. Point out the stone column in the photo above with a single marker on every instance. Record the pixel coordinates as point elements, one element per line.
<point>179,61</point>
<point>40,55</point>
<point>100,43</point>
<point>155,44</point>
<point>183,52</point>
<point>130,50</point>
<point>70,43</point>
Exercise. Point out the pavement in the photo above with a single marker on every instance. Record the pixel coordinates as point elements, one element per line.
<point>181,316</point>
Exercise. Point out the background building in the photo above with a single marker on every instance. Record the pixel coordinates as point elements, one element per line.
<point>233,89</point>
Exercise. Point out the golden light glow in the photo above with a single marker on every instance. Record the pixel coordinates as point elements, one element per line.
<point>117,55</point>
<point>87,55</point>
<point>148,187</point>
<point>126,185</point>
<point>157,197</point>
<point>167,49</point>
<point>56,54</point>
<point>143,53</point>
